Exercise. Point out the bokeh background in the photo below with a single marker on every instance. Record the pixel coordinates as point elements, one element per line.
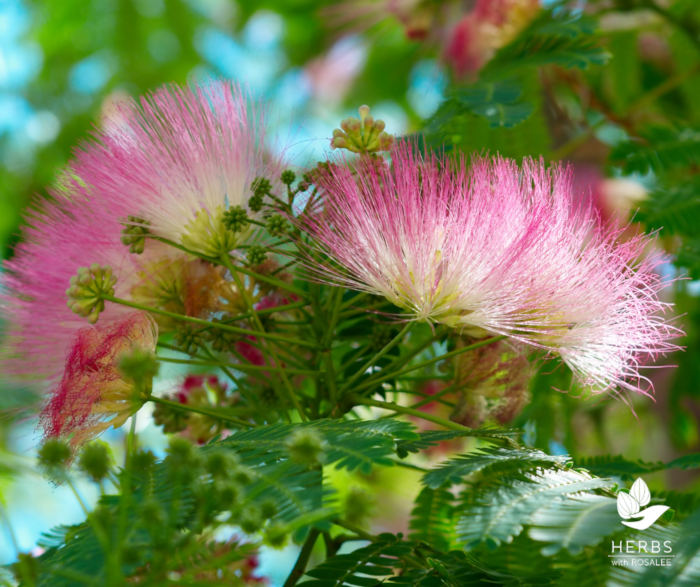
<point>63,62</point>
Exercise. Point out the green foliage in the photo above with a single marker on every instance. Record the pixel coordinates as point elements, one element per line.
<point>555,38</point>
<point>675,210</point>
<point>503,511</point>
<point>659,148</point>
<point>516,462</point>
<point>619,466</point>
<point>431,518</point>
<point>500,515</point>
<point>500,103</point>
<point>364,566</point>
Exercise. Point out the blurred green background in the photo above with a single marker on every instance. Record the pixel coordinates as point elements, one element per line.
<point>631,115</point>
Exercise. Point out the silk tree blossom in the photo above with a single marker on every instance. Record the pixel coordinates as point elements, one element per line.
<point>488,27</point>
<point>178,159</point>
<point>93,394</point>
<point>494,248</point>
<point>63,237</point>
<point>170,166</point>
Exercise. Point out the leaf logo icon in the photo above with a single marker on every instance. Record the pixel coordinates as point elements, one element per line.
<point>629,504</point>
<point>640,492</point>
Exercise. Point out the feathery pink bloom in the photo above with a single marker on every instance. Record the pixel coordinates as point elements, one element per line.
<point>496,248</point>
<point>488,27</point>
<point>93,394</point>
<point>178,159</point>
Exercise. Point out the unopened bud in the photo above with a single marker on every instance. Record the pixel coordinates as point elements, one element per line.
<point>134,234</point>
<point>305,446</point>
<point>87,291</point>
<point>365,135</point>
<point>95,460</point>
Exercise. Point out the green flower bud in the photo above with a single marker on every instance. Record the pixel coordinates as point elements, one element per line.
<point>220,464</point>
<point>251,521</point>
<point>305,446</point>
<point>243,475</point>
<point>182,455</point>
<point>255,203</point>
<point>276,225</point>
<point>189,339</point>
<point>256,255</point>
<point>288,177</point>
<point>276,535</point>
<point>365,135</point>
<point>134,234</point>
<point>142,461</point>
<point>236,218</point>
<point>54,456</point>
<point>152,513</point>
<point>95,460</point>
<point>358,505</point>
<point>227,494</point>
<point>170,420</point>
<point>268,509</point>
<point>87,291</point>
<point>261,186</point>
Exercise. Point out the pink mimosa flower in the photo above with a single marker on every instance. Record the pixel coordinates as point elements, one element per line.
<point>480,33</point>
<point>172,165</point>
<point>93,394</point>
<point>178,159</point>
<point>494,248</point>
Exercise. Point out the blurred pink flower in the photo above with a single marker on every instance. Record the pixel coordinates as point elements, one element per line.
<point>332,74</point>
<point>494,248</point>
<point>177,159</point>
<point>93,394</point>
<point>488,27</point>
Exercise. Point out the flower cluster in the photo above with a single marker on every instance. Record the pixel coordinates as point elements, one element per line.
<point>133,220</point>
<point>497,248</point>
<point>170,224</point>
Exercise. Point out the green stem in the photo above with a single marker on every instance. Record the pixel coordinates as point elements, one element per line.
<point>291,395</point>
<point>366,401</point>
<point>371,362</point>
<point>303,559</point>
<point>437,397</point>
<point>198,410</point>
<point>372,382</point>
<point>335,302</point>
<point>237,367</point>
<point>361,534</point>
<point>201,322</point>
<point>271,280</point>
<point>79,499</point>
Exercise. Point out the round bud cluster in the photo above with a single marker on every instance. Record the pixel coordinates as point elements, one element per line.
<point>365,135</point>
<point>134,234</point>
<point>140,365</point>
<point>305,446</point>
<point>256,255</point>
<point>276,225</point>
<point>288,177</point>
<point>236,218</point>
<point>169,419</point>
<point>54,458</point>
<point>189,340</point>
<point>95,460</point>
<point>260,188</point>
<point>88,289</point>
